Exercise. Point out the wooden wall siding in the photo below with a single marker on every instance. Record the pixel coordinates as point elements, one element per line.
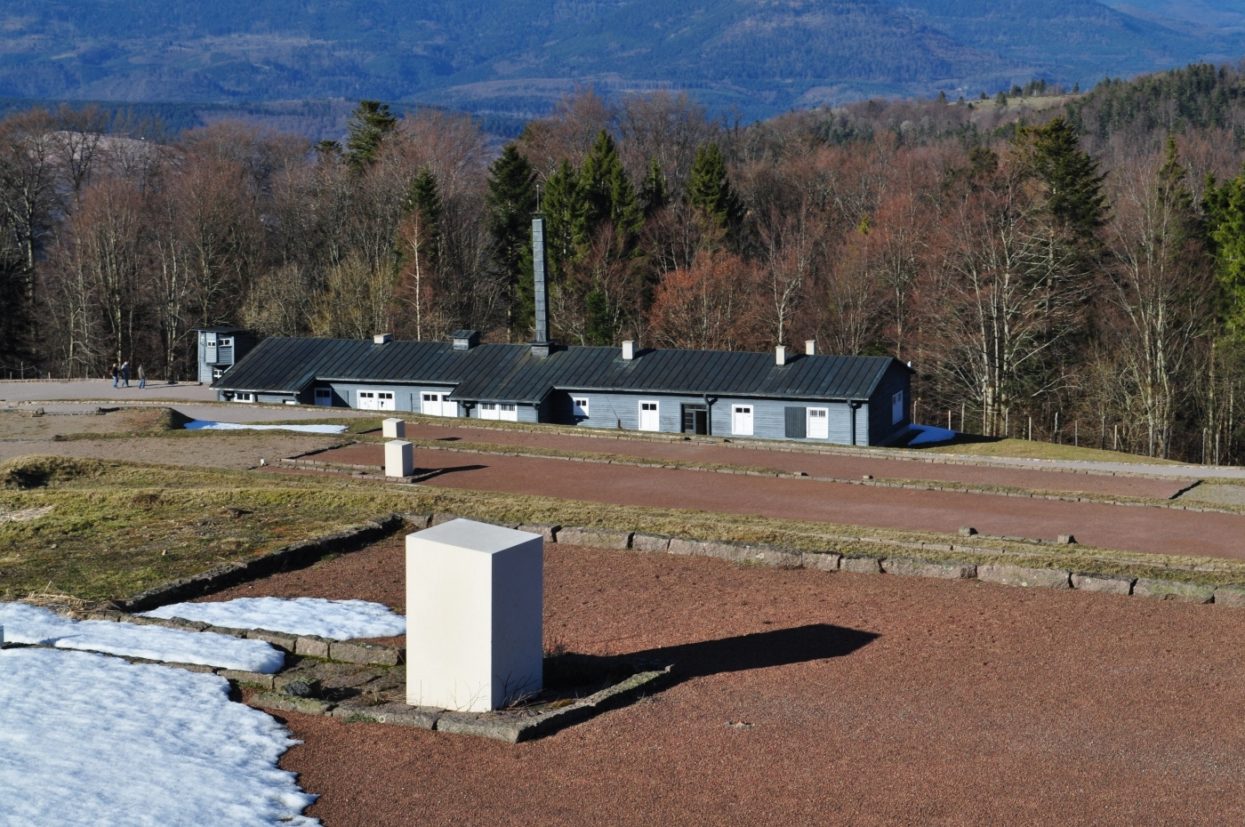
<point>880,426</point>
<point>769,416</point>
<point>405,397</point>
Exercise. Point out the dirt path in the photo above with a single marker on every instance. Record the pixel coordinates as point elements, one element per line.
<point>814,698</point>
<point>1148,529</point>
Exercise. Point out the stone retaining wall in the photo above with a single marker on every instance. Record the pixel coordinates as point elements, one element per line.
<point>903,565</point>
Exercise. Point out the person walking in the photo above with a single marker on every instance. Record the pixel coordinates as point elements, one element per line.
<point>125,374</point>
<point>116,374</point>
<point>142,378</point>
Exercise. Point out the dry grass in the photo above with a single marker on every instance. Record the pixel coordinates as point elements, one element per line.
<point>1036,449</point>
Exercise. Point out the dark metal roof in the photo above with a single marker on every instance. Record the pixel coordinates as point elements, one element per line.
<point>512,373</point>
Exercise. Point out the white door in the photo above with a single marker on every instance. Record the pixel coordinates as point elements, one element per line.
<point>508,412</point>
<point>367,401</point>
<point>488,410</point>
<point>650,416</point>
<point>818,423</point>
<point>436,403</point>
<point>385,401</point>
<point>741,420</point>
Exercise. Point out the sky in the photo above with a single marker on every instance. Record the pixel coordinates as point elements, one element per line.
<point>90,739</point>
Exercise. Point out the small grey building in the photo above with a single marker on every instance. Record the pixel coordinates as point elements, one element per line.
<point>219,348</point>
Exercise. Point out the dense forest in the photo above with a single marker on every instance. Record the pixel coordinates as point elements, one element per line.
<point>1065,267</point>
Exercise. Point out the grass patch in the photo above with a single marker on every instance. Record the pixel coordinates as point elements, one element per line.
<point>106,530</point>
<point>1035,449</point>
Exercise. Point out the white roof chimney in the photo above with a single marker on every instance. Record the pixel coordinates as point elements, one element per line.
<point>628,349</point>
<point>780,355</point>
<point>382,338</point>
<point>810,347</point>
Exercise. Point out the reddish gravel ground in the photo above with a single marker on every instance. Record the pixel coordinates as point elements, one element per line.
<point>841,466</point>
<point>1147,529</point>
<point>812,698</point>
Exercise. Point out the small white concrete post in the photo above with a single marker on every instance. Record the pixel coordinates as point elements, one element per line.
<point>474,622</point>
<point>393,428</point>
<point>399,458</point>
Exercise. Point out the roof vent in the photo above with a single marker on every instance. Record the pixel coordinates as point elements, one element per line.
<point>628,349</point>
<point>382,338</point>
<point>810,347</point>
<point>780,355</point>
<point>465,339</point>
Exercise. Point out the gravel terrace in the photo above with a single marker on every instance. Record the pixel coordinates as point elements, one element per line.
<point>820,698</point>
<point>844,466</point>
<point>1150,529</point>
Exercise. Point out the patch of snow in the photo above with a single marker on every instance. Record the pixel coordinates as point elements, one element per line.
<point>35,625</point>
<point>333,619</point>
<point>87,740</point>
<point>209,425</point>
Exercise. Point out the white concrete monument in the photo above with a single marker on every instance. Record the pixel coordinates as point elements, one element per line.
<point>399,458</point>
<point>474,622</point>
<point>393,428</point>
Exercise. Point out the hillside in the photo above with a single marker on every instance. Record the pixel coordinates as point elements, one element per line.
<point>751,56</point>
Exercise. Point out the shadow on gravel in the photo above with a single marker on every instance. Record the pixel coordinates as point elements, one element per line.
<point>437,472</point>
<point>759,650</point>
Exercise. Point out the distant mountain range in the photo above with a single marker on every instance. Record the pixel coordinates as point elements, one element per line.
<point>514,57</point>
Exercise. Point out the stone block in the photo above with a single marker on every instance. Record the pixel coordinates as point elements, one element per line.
<point>861,565</point>
<point>1105,583</point>
<point>820,560</point>
<point>547,531</point>
<point>1173,590</point>
<point>778,558</point>
<point>718,551</point>
<point>420,717</point>
<point>399,458</point>
<point>281,640</point>
<point>495,728</point>
<point>312,647</point>
<point>473,616</point>
<point>689,548</point>
<point>1233,596</point>
<point>417,520</point>
<point>1010,575</point>
<point>905,567</point>
<point>348,651</point>
<point>247,678</point>
<point>393,428</point>
<point>650,542</point>
<point>595,537</point>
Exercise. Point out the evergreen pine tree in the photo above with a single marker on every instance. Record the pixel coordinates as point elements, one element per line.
<point>562,204</point>
<point>511,202</point>
<point>369,123</point>
<point>606,191</point>
<point>654,191</point>
<point>710,194</point>
<point>1070,177</point>
<point>1224,207</point>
